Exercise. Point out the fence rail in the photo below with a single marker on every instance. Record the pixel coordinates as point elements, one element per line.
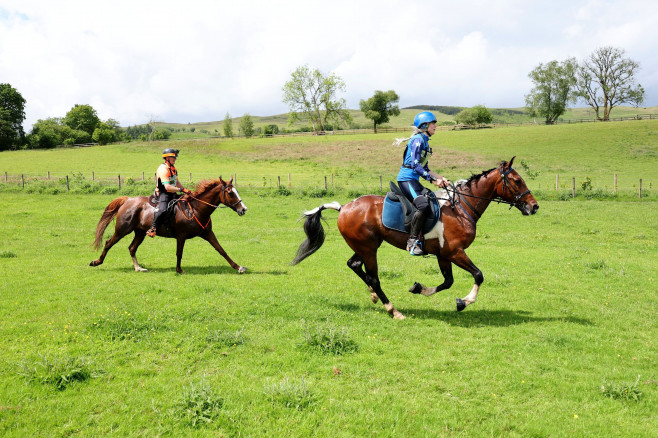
<point>144,180</point>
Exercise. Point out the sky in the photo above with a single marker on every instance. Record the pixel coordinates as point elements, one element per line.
<point>195,61</point>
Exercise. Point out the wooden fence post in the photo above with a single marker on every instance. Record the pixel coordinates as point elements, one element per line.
<point>49,175</point>
<point>119,181</point>
<point>557,182</point>
<point>279,181</point>
<point>143,177</point>
<point>332,180</point>
<point>92,176</point>
<point>289,181</point>
<point>573,187</point>
<point>67,183</point>
<point>190,176</point>
<point>325,182</point>
<point>640,193</point>
<point>6,178</point>
<point>22,181</point>
<point>381,187</point>
<point>615,183</point>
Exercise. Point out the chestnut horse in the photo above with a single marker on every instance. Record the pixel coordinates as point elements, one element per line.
<point>360,223</point>
<point>191,219</point>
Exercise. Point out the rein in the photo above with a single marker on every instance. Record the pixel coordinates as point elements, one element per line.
<point>506,185</point>
<point>194,216</point>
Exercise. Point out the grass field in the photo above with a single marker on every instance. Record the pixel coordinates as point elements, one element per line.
<point>561,342</point>
<point>403,120</point>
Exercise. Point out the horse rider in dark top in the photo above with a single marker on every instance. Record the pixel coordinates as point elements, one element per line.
<point>168,184</point>
<point>413,167</point>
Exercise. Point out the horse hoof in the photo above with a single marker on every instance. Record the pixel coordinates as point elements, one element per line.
<point>398,315</point>
<point>416,288</point>
<point>242,270</point>
<point>461,305</point>
<point>94,263</point>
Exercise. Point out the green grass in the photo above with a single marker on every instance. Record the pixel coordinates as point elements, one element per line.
<point>567,306</point>
<point>561,341</point>
<point>356,162</point>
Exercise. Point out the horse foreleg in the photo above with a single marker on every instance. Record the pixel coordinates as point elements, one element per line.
<point>137,240</point>
<point>209,236</point>
<point>446,269</point>
<point>180,245</point>
<point>355,263</point>
<point>108,244</point>
<point>462,260</point>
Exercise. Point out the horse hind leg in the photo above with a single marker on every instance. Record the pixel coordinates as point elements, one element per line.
<point>137,240</point>
<point>355,263</point>
<point>372,280</point>
<point>108,244</point>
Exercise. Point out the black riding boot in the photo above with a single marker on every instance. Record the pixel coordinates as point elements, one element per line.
<point>157,218</point>
<point>414,246</point>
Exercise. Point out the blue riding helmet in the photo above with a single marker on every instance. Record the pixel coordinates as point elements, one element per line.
<point>423,120</point>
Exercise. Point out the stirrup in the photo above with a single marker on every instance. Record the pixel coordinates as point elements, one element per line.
<point>151,232</point>
<point>417,248</point>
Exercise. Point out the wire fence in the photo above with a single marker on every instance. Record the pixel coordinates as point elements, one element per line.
<point>144,182</point>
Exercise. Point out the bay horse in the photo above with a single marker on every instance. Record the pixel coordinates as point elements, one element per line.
<point>360,223</point>
<point>190,220</point>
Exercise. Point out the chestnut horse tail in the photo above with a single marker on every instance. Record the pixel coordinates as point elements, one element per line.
<point>314,231</point>
<point>109,213</point>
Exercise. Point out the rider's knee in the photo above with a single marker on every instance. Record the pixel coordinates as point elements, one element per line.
<point>421,203</point>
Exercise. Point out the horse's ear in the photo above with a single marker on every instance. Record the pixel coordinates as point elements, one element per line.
<point>511,161</point>
<point>230,182</point>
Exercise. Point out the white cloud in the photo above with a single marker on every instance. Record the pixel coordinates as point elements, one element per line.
<point>198,60</point>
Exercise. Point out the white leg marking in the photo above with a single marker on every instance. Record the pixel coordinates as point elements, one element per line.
<point>393,311</point>
<point>137,267</point>
<point>473,296</point>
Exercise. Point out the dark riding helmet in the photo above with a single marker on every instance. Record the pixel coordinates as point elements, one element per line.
<point>169,152</point>
<point>423,120</point>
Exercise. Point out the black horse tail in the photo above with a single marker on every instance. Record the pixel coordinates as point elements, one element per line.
<point>314,231</point>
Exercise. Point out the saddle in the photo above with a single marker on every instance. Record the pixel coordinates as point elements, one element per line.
<point>398,210</point>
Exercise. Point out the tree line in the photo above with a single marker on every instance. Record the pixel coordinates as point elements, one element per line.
<point>603,81</point>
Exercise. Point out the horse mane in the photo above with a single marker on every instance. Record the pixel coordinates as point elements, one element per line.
<point>206,185</point>
<point>476,177</point>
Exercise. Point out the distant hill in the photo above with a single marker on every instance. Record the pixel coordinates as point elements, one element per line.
<point>444,113</point>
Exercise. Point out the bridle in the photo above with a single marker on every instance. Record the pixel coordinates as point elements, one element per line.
<point>513,191</point>
<point>224,190</point>
<point>506,185</point>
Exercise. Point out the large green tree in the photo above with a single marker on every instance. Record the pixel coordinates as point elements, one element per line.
<point>312,96</point>
<point>12,115</point>
<point>247,125</point>
<point>477,115</point>
<point>83,118</point>
<point>228,126</point>
<point>607,79</point>
<point>554,88</point>
<point>380,107</point>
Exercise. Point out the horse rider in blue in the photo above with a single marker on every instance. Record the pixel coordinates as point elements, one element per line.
<point>414,165</point>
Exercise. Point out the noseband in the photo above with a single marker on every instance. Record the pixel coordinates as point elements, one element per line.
<point>513,191</point>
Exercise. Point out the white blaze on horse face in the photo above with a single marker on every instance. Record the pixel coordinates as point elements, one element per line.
<point>234,190</point>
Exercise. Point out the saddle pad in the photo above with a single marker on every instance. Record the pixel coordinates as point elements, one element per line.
<point>392,215</point>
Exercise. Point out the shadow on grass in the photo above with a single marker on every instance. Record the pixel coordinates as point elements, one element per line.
<point>473,317</point>
<point>492,318</point>
<point>196,270</point>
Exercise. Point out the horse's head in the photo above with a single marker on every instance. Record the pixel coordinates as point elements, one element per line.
<point>231,198</point>
<point>514,190</point>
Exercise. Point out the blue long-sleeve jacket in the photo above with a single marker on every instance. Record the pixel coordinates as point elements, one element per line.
<point>415,159</point>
